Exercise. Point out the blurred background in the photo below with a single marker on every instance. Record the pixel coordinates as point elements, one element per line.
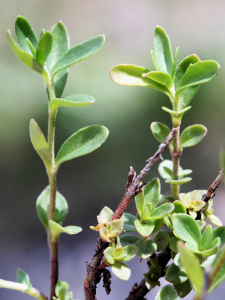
<point>98,179</point>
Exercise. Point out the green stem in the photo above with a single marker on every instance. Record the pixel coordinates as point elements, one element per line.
<point>176,163</point>
<point>53,245</point>
<point>22,288</point>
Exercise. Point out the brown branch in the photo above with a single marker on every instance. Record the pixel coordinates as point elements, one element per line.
<point>132,187</point>
<point>138,292</point>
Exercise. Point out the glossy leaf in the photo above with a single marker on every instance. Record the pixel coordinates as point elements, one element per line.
<point>160,131</point>
<point>192,268</point>
<point>40,144</point>
<point>131,75</point>
<point>82,142</point>
<point>44,47</point>
<point>162,78</point>
<point>186,229</point>
<point>42,205</point>
<point>175,274</point>
<point>212,248</point>
<point>31,47</point>
<point>215,220</point>
<point>162,211</point>
<point>121,270</point>
<point>108,253</point>
<point>78,53</point>
<point>178,208</point>
<point>173,244</point>
<point>167,293</point>
<point>139,201</point>
<point>162,56</point>
<point>26,58</point>
<point>128,222</point>
<point>152,193</point>
<point>206,238</point>
<point>59,47</point>
<point>192,135</point>
<point>57,230</point>
<point>146,248</point>
<point>128,239</point>
<point>161,239</point>
<point>175,63</point>
<point>219,232</point>
<point>158,224</point>
<point>198,73</point>
<point>144,229</point>
<point>183,289</point>
<point>23,31</point>
<point>73,101</point>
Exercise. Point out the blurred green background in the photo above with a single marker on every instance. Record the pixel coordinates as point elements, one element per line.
<point>98,179</point>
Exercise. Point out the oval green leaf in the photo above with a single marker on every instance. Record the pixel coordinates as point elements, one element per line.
<point>24,30</point>
<point>219,232</point>
<point>179,181</point>
<point>130,251</point>
<point>121,270</point>
<point>128,222</point>
<point>162,56</point>
<point>144,229</point>
<point>160,131</point>
<point>192,135</point>
<point>161,239</point>
<point>175,274</point>
<point>57,230</point>
<point>78,53</point>
<point>161,211</point>
<point>42,205</point>
<point>183,289</point>
<point>152,193</point>
<point>82,142</point>
<point>167,293</point>
<point>146,248</point>
<point>186,229</point>
<point>44,47</point>
<point>73,101</point>
<point>128,239</point>
<point>162,78</point>
<point>206,238</point>
<point>40,144</point>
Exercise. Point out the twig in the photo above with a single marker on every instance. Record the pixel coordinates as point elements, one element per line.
<point>138,292</point>
<point>132,187</point>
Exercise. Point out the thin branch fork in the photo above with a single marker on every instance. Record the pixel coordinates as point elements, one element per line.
<point>132,189</point>
<point>211,191</point>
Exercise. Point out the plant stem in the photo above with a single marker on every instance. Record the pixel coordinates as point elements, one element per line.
<point>22,288</point>
<point>176,161</point>
<point>53,245</point>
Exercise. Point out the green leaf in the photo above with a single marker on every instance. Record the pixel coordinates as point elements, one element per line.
<point>23,31</point>
<point>192,135</point>
<point>192,268</point>
<point>57,230</point>
<point>161,239</point>
<point>206,238</point>
<point>130,251</point>
<point>44,47</point>
<point>198,73</point>
<point>139,201</point>
<point>173,244</point>
<point>162,78</point>
<point>175,113</point>
<point>82,142</point>
<point>105,215</point>
<point>162,211</point>
<point>23,278</point>
<point>183,173</point>
<point>178,208</point>
<point>131,75</point>
<point>40,144</point>
<point>152,193</point>
<point>114,228</point>
<point>186,229</point>
<point>217,275</point>
<point>167,293</point>
<point>59,47</point>
<point>176,59</point>
<point>201,224</point>
<point>144,229</point>
<point>42,205</point>
<point>182,289</point>
<point>121,270</point>
<point>215,220</point>
<point>31,47</point>
<point>128,239</point>
<point>166,163</point>
<point>146,248</point>
<point>73,101</point>
<point>128,222</point>
<point>61,289</point>
<point>78,53</point>
<point>108,253</point>
<point>162,56</point>
<point>26,58</point>
<point>219,232</point>
<point>179,181</point>
<point>160,131</point>
<point>158,224</point>
<point>212,248</point>
<point>175,274</point>
<point>183,66</point>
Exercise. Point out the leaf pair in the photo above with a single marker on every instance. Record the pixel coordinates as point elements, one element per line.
<point>187,229</point>
<point>82,142</point>
<point>62,291</point>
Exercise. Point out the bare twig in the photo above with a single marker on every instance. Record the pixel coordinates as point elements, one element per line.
<point>138,292</point>
<point>132,187</point>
